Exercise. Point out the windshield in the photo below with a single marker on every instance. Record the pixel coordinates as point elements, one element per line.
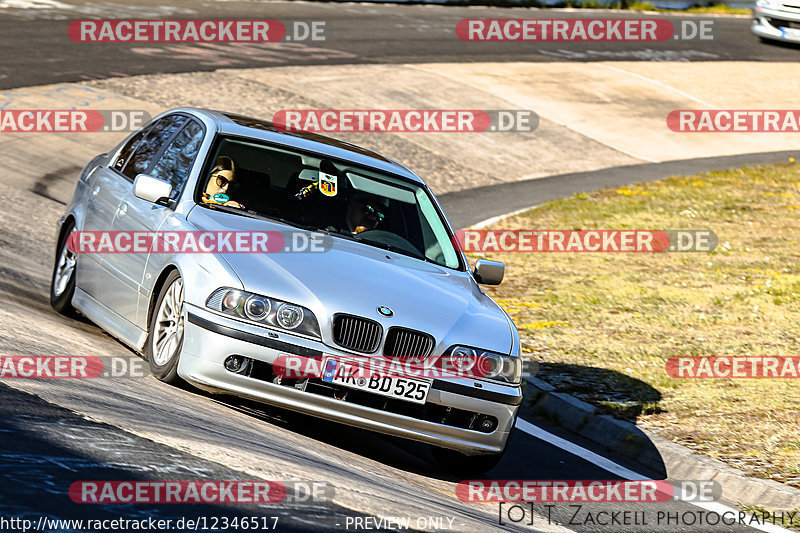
<point>321,194</point>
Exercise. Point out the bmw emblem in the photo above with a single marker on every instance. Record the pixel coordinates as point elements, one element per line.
<point>385,311</point>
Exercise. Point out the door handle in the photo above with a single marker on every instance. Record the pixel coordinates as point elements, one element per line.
<point>122,210</point>
<point>96,190</point>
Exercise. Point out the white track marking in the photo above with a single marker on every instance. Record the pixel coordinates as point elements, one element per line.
<point>662,85</point>
<point>498,218</point>
<point>34,4</point>
<point>621,471</point>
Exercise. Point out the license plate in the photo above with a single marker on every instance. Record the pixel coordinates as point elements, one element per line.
<point>340,372</point>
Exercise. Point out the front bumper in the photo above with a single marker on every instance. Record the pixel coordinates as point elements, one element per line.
<point>210,338</point>
<point>779,24</point>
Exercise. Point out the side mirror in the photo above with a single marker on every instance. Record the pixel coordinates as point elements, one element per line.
<point>151,189</point>
<point>489,272</point>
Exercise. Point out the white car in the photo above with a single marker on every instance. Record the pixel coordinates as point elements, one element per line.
<point>777,19</point>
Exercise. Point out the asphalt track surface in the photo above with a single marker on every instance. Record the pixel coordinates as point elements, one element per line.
<point>472,206</point>
<point>60,431</point>
<point>56,432</point>
<point>36,50</point>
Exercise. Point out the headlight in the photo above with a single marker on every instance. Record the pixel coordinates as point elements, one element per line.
<point>765,3</point>
<point>264,311</point>
<point>464,359</point>
<point>290,316</point>
<point>485,364</point>
<point>256,308</point>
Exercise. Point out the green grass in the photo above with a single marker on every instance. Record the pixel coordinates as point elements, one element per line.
<point>720,10</point>
<point>602,325</point>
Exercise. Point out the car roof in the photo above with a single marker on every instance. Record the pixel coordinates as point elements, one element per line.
<point>260,129</point>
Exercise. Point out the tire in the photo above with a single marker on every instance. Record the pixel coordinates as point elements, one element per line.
<point>459,463</point>
<point>62,282</point>
<point>165,338</point>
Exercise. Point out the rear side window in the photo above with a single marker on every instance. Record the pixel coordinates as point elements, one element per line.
<point>128,149</point>
<point>151,145</point>
<point>176,162</point>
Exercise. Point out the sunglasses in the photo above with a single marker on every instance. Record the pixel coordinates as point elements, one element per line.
<point>372,212</point>
<point>222,181</point>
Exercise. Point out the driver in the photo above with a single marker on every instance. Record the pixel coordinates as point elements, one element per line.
<point>221,180</point>
<point>362,214</point>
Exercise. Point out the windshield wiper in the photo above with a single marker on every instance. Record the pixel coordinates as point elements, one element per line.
<point>384,246</point>
<point>259,216</point>
<point>284,221</point>
<point>391,248</point>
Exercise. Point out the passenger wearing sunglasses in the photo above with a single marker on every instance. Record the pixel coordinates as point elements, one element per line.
<point>220,183</point>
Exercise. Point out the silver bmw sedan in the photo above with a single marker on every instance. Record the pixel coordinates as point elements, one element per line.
<point>366,270</point>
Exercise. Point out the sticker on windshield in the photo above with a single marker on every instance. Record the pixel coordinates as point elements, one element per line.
<point>327,184</point>
<point>220,198</point>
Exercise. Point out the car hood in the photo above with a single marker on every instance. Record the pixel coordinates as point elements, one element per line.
<point>355,278</point>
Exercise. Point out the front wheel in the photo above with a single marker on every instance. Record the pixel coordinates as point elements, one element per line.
<point>62,283</point>
<point>165,339</point>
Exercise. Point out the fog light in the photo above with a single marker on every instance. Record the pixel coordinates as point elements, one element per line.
<point>487,424</point>
<point>237,364</point>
